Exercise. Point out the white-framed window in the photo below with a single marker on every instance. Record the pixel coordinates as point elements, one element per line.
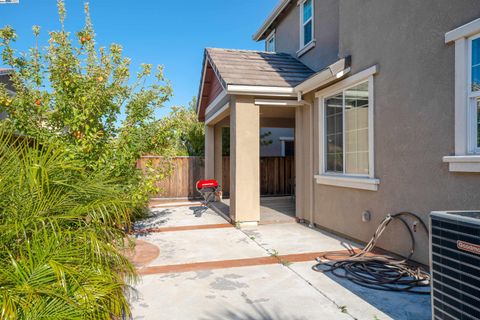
<point>473,90</point>
<point>346,133</point>
<point>270,42</point>
<point>306,23</point>
<point>467,98</point>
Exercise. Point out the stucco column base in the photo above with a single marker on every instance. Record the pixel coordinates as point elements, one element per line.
<point>246,224</point>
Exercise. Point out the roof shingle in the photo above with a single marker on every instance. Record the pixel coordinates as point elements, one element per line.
<point>257,68</point>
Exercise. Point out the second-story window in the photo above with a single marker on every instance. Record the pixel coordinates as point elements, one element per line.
<point>270,42</point>
<point>306,31</point>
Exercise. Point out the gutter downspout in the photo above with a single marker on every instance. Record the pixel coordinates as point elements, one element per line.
<point>311,185</point>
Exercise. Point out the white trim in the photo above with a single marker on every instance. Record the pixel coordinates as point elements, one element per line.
<point>271,18</point>
<point>348,182</point>
<point>465,99</point>
<point>352,80</point>
<point>461,99</point>
<point>321,78</point>
<point>371,128</point>
<point>271,36</point>
<point>222,95</point>
<point>473,96</point>
<point>306,48</point>
<point>286,138</point>
<point>261,90</point>
<point>463,163</point>
<point>464,31</point>
<point>204,72</point>
<point>277,103</point>
<point>218,113</point>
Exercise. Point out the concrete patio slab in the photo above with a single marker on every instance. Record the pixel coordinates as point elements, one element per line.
<point>260,293</point>
<point>364,303</point>
<point>202,245</point>
<point>297,238</point>
<point>255,273</point>
<point>179,216</point>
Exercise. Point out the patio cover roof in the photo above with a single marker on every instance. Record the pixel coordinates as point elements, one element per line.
<point>243,67</point>
<point>242,72</point>
<point>227,68</point>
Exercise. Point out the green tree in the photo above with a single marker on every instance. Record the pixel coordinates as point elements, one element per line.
<point>177,134</point>
<point>72,93</point>
<point>67,194</point>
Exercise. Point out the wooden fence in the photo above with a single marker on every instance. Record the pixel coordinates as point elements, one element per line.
<point>185,171</point>
<point>277,175</point>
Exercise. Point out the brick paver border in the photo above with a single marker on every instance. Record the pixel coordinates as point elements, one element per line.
<point>235,263</point>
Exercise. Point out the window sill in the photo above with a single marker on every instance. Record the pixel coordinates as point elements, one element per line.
<point>306,48</point>
<point>348,182</point>
<point>463,163</point>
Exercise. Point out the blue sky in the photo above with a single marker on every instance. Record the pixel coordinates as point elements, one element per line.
<point>170,33</point>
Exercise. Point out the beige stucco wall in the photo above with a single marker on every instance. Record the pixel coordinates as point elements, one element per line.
<point>244,159</point>
<point>218,154</point>
<point>209,152</point>
<point>414,118</point>
<point>326,34</point>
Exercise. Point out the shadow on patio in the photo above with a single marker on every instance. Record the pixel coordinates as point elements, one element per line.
<point>272,209</point>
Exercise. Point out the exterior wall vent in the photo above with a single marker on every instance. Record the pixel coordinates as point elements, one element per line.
<point>455,265</point>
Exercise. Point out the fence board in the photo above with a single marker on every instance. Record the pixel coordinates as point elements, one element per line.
<point>277,175</point>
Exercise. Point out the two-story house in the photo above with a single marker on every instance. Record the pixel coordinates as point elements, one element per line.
<point>384,97</point>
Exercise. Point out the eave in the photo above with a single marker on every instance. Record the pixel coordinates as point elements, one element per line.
<point>260,34</point>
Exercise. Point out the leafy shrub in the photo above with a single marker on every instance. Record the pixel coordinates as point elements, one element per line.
<point>61,237</point>
<point>69,192</point>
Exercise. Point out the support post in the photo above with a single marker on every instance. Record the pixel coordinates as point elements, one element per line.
<point>218,170</point>
<point>244,161</point>
<point>209,152</point>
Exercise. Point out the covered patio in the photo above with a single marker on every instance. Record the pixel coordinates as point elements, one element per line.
<point>249,90</point>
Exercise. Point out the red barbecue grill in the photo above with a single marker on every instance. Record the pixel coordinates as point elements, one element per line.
<point>207,189</point>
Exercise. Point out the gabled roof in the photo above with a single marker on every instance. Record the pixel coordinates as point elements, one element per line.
<point>266,26</point>
<point>256,68</point>
<point>225,68</point>
<point>227,72</point>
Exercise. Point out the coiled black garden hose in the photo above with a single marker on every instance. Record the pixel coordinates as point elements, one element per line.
<point>380,272</point>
